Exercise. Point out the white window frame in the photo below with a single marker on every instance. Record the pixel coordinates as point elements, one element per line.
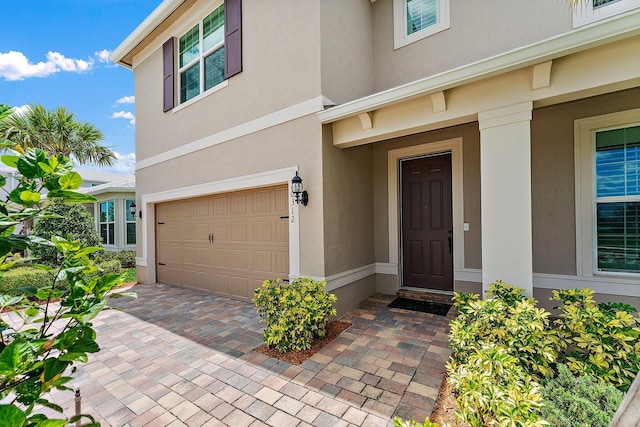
<point>584,151</point>
<point>584,14</point>
<point>127,202</point>
<point>200,59</point>
<point>401,38</point>
<point>108,222</point>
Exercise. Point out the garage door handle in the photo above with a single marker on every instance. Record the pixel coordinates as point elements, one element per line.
<point>284,217</point>
<point>211,238</point>
<point>161,263</point>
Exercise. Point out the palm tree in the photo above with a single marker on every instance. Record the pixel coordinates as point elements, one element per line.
<point>57,132</point>
<point>5,110</point>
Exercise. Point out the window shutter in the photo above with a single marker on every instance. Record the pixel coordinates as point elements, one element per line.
<point>167,75</point>
<point>232,37</point>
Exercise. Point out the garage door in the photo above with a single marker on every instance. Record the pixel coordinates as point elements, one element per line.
<point>226,244</point>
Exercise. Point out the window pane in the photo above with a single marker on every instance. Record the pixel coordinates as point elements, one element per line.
<point>131,234</point>
<point>103,233</point>
<point>189,46</point>
<point>127,211</point>
<point>213,29</point>
<point>190,83</point>
<point>421,14</point>
<point>618,236</point>
<point>214,69</point>
<point>103,212</point>
<point>618,162</point>
<point>598,3</point>
<point>111,230</point>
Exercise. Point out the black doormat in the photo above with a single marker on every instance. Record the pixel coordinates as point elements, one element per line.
<point>436,308</point>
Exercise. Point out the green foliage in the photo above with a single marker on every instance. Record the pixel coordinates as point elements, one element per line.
<point>515,323</point>
<point>41,344</point>
<point>127,258</point>
<point>601,340</point>
<point>493,389</point>
<point>399,422</point>
<point>72,222</point>
<point>294,313</point>
<point>571,401</point>
<point>23,277</point>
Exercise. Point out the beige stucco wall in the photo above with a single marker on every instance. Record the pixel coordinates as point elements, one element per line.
<point>348,206</point>
<point>501,27</point>
<point>346,49</point>
<point>553,177</point>
<point>281,67</point>
<point>471,187</point>
<point>354,293</point>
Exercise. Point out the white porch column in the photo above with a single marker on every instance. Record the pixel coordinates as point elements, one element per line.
<point>505,173</point>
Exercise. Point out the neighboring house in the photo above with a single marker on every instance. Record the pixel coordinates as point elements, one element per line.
<point>444,145</point>
<point>115,221</point>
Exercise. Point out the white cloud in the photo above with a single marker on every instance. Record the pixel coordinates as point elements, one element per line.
<point>103,55</point>
<point>16,66</point>
<point>127,100</point>
<point>21,110</point>
<point>125,164</point>
<point>125,115</point>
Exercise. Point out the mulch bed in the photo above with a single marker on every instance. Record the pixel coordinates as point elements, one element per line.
<point>333,329</point>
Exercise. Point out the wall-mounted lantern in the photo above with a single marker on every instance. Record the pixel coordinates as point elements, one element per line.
<point>298,192</point>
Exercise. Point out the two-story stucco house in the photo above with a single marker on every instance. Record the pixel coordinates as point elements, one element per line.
<point>444,144</point>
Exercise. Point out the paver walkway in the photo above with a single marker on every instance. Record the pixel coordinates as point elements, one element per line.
<point>177,357</point>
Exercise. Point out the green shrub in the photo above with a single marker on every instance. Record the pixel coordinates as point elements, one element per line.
<point>571,401</point>
<point>127,258</point>
<point>493,389</point>
<point>399,422</point>
<point>601,340</point>
<point>109,267</point>
<point>22,277</point>
<point>514,323</point>
<point>72,222</point>
<point>294,313</point>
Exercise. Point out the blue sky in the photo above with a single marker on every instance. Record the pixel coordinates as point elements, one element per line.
<point>55,53</point>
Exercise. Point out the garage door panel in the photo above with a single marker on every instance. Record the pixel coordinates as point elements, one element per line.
<point>250,241</point>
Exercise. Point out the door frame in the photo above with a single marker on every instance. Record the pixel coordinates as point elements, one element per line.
<point>453,146</point>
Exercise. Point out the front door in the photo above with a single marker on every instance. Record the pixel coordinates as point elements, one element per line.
<point>427,223</point>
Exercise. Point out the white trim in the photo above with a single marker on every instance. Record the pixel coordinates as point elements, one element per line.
<point>622,26</point>
<point>386,268</point>
<point>400,36</point>
<point>339,280</point>
<point>141,262</point>
<point>603,284</point>
<point>200,96</point>
<point>262,179</point>
<point>276,118</point>
<point>454,146</point>
<point>584,151</point>
<point>468,275</point>
<point>584,13</point>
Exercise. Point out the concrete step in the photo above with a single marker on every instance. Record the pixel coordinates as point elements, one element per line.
<point>425,295</point>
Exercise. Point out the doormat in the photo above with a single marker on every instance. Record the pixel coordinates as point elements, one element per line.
<point>437,308</point>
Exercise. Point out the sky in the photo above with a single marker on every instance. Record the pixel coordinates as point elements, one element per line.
<point>56,53</point>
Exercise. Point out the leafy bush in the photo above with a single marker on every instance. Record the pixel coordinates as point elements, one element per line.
<point>494,389</point>
<point>294,313</point>
<point>72,222</point>
<point>515,323</point>
<point>571,401</point>
<point>22,277</point>
<point>127,258</point>
<point>399,422</point>
<point>601,340</point>
<point>110,267</point>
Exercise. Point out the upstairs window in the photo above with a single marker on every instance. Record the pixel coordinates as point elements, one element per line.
<point>594,10</point>
<point>201,56</point>
<point>417,19</point>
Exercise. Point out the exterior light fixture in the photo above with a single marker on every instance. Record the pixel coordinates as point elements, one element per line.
<point>132,210</point>
<point>300,195</point>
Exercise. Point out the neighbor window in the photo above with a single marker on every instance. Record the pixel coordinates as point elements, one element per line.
<point>130,238</point>
<point>617,199</point>
<point>201,56</point>
<point>417,19</point>
<point>608,193</point>
<point>107,223</point>
<point>594,10</point>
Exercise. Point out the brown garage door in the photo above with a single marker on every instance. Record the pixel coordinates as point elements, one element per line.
<point>226,244</point>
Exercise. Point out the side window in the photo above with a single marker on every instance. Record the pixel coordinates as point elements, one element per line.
<point>130,223</point>
<point>617,199</point>
<point>207,54</point>
<point>594,10</point>
<point>107,222</point>
<point>417,19</point>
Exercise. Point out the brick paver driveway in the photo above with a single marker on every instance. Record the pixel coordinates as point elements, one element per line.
<point>179,357</point>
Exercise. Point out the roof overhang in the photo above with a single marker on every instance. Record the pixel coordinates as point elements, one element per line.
<point>600,33</point>
<point>123,53</point>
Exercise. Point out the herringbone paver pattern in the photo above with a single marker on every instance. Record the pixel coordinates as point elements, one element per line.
<point>176,357</point>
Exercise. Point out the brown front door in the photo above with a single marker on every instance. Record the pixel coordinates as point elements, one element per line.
<point>427,223</point>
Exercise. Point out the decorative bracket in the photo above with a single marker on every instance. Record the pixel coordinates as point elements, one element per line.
<point>541,75</point>
<point>439,102</point>
<point>366,120</point>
